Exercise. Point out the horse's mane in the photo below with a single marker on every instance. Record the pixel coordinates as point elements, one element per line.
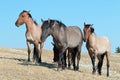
<point>29,16</point>
<point>60,23</point>
<point>52,22</point>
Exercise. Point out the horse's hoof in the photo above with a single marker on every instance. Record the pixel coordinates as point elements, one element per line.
<point>63,68</point>
<point>76,68</point>
<point>93,72</point>
<point>28,60</point>
<point>39,61</point>
<point>99,73</point>
<point>36,63</point>
<point>69,67</point>
<point>59,69</point>
<point>107,75</point>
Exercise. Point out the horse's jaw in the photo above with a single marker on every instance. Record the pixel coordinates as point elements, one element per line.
<point>43,38</point>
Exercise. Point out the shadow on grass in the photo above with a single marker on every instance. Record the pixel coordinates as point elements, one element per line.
<point>26,63</point>
<point>13,59</point>
<point>43,64</point>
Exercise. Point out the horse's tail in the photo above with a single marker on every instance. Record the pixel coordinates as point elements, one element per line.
<point>35,54</point>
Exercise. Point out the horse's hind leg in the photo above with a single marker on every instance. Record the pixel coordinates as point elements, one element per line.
<point>64,64</point>
<point>69,59</point>
<point>29,51</point>
<point>108,64</point>
<point>73,58</point>
<point>100,63</point>
<point>78,58</point>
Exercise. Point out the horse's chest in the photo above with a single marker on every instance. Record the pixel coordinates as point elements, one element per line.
<point>29,37</point>
<point>91,48</point>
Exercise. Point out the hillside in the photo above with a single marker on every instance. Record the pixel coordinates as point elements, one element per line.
<point>14,66</point>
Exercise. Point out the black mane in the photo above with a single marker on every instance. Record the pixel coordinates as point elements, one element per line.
<point>60,23</point>
<point>52,22</point>
<point>88,25</point>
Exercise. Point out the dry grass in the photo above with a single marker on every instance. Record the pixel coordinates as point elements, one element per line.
<point>14,66</point>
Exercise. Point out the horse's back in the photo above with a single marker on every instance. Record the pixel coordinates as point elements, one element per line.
<point>99,44</point>
<point>104,43</point>
<point>74,36</point>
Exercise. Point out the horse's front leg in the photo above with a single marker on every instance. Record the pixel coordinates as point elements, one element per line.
<point>36,52</point>
<point>29,50</point>
<point>60,58</point>
<point>41,47</point>
<point>92,56</point>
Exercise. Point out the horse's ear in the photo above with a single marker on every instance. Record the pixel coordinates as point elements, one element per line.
<point>92,29</point>
<point>91,24</point>
<point>84,23</point>
<point>28,11</point>
<point>52,43</point>
<point>42,20</point>
<point>48,20</point>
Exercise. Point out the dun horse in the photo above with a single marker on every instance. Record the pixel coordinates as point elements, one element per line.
<point>33,34</point>
<point>96,46</point>
<point>63,37</point>
<point>68,54</point>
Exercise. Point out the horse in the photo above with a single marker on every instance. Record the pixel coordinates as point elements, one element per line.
<point>33,34</point>
<point>97,47</point>
<point>63,37</point>
<point>67,54</point>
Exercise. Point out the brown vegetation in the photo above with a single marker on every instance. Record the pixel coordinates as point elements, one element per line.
<point>14,66</point>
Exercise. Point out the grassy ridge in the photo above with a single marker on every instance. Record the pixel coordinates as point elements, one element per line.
<point>14,66</point>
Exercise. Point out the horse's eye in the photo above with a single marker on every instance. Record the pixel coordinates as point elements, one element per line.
<point>22,15</point>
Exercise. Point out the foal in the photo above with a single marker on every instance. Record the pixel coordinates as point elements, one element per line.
<point>96,46</point>
<point>33,34</point>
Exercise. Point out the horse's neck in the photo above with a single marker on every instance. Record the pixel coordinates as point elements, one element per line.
<point>91,40</point>
<point>58,36</point>
<point>30,25</point>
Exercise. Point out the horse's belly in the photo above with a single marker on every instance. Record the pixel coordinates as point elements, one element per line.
<point>73,43</point>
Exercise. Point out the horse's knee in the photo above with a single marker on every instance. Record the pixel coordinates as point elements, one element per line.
<point>108,65</point>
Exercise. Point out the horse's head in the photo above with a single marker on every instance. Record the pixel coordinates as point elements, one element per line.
<point>51,27</point>
<point>45,29</point>
<point>88,29</point>
<point>23,18</point>
<point>48,28</point>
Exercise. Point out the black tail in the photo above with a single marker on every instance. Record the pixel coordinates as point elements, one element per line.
<point>36,55</point>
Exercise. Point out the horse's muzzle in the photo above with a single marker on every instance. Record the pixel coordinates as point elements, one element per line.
<point>16,23</point>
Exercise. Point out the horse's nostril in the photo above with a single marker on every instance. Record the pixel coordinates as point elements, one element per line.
<point>16,23</point>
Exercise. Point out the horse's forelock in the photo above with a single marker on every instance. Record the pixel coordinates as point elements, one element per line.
<point>24,11</point>
<point>90,26</point>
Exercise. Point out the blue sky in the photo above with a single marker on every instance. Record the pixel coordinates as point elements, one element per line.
<point>104,14</point>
